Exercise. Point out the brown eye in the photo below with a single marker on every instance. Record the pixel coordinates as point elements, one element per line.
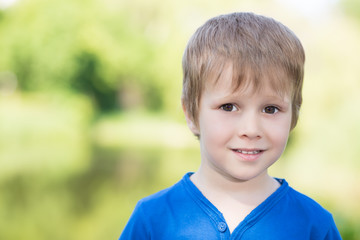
<point>228,107</point>
<point>270,110</point>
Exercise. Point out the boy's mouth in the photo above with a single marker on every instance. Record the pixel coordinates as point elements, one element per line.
<point>248,151</point>
<point>249,155</point>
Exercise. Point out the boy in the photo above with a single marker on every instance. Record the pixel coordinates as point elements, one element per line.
<point>242,84</point>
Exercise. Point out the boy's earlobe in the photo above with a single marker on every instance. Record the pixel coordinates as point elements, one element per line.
<point>191,124</point>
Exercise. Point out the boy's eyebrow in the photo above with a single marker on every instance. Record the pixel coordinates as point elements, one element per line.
<point>279,98</point>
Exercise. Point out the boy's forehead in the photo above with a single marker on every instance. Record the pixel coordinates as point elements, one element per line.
<point>231,80</point>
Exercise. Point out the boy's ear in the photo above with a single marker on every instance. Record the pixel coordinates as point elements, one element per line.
<point>191,124</point>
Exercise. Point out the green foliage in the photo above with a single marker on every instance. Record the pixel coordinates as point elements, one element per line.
<point>80,45</point>
<point>88,80</point>
<point>352,7</point>
<point>1,15</point>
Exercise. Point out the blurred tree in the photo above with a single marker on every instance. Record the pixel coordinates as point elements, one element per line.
<point>84,46</point>
<point>1,15</point>
<point>88,80</point>
<point>352,7</point>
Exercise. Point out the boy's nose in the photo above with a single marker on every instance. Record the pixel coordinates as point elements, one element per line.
<point>249,127</point>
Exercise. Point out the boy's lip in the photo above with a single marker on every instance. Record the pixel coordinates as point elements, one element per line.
<point>248,154</point>
<point>249,151</point>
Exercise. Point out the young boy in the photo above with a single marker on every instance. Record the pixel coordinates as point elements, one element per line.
<point>242,84</point>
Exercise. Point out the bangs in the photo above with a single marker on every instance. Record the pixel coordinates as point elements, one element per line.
<point>256,77</point>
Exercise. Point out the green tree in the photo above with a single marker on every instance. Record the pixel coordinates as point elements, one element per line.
<point>82,46</point>
<point>352,7</point>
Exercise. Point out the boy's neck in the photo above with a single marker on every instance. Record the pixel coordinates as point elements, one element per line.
<point>250,192</point>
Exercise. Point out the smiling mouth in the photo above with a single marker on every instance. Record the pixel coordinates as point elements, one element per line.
<point>248,155</point>
<point>248,152</point>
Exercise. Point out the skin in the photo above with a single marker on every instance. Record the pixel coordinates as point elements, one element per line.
<point>242,134</point>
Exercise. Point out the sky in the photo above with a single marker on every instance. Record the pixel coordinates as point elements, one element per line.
<point>310,8</point>
<point>6,3</point>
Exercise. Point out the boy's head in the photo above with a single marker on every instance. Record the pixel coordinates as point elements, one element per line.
<point>256,46</point>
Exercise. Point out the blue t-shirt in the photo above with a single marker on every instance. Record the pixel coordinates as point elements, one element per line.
<point>182,212</point>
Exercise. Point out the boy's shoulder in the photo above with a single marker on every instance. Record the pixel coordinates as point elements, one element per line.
<point>303,205</point>
<point>304,200</point>
<point>153,212</point>
<point>170,195</point>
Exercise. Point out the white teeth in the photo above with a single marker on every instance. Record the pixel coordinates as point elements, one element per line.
<point>248,152</point>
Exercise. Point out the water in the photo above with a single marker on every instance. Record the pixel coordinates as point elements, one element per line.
<point>94,201</point>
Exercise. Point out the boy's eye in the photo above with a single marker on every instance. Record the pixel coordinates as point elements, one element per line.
<point>270,110</point>
<point>228,107</point>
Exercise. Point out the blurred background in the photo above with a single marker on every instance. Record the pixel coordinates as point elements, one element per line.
<point>90,115</point>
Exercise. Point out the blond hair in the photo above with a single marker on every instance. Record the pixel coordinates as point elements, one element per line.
<point>257,46</point>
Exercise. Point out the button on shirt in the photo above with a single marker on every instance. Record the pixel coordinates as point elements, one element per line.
<point>222,227</point>
<point>182,212</point>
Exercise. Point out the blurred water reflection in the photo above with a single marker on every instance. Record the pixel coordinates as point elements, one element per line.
<point>94,200</point>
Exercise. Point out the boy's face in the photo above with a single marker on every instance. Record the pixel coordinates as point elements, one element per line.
<point>242,133</point>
